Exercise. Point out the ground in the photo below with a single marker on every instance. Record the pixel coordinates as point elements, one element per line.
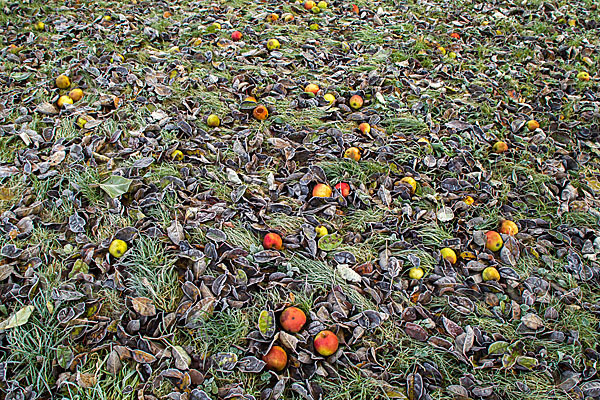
<point>134,263</point>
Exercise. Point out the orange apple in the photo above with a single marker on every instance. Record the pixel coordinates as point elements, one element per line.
<point>322,190</point>
<point>292,319</point>
<point>309,4</point>
<point>311,88</point>
<point>326,343</point>
<point>352,153</point>
<point>260,113</point>
<point>272,241</point>
<point>276,358</point>
<point>508,228</point>
<point>532,125</point>
<point>500,147</point>
<point>364,127</point>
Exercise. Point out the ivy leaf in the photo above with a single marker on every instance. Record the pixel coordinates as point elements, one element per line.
<point>330,242</point>
<point>116,185</point>
<point>17,319</point>
<point>266,323</point>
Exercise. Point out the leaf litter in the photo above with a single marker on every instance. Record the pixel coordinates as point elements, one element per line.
<point>420,180</point>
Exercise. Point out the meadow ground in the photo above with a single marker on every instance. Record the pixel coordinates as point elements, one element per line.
<point>133,259</point>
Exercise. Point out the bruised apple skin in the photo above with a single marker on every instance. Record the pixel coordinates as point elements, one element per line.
<point>273,44</point>
<point>356,102</point>
<point>326,343</point>
<point>260,113</point>
<point>63,82</point>
<point>292,319</point>
<point>493,241</point>
<point>276,358</point>
<point>272,241</point>
<point>448,255</point>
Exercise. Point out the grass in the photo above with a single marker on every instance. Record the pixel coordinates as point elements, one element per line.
<point>152,273</point>
<point>31,349</point>
<point>107,386</point>
<point>359,220</point>
<point>241,237</point>
<point>224,331</point>
<point>323,277</point>
<point>433,235</point>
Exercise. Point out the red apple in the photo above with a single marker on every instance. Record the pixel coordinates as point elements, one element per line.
<point>236,35</point>
<point>344,188</point>
<point>326,343</point>
<point>276,358</point>
<point>292,319</point>
<point>272,241</point>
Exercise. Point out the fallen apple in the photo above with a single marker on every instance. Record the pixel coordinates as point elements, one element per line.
<point>273,44</point>
<point>344,188</point>
<point>416,273</point>
<point>500,147</point>
<point>508,228</point>
<point>493,240</point>
<point>356,102</point>
<point>490,274</point>
<point>260,113</point>
<point>352,153</point>
<point>276,358</point>
<point>448,255</point>
<point>292,319</point>
<point>532,125</point>
<point>411,182</point>
<point>326,343</point>
<point>213,121</point>
<point>63,82</point>
<point>322,190</point>
<point>312,88</point>
<point>236,36</point>
<point>272,241</point>
<point>364,127</point>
